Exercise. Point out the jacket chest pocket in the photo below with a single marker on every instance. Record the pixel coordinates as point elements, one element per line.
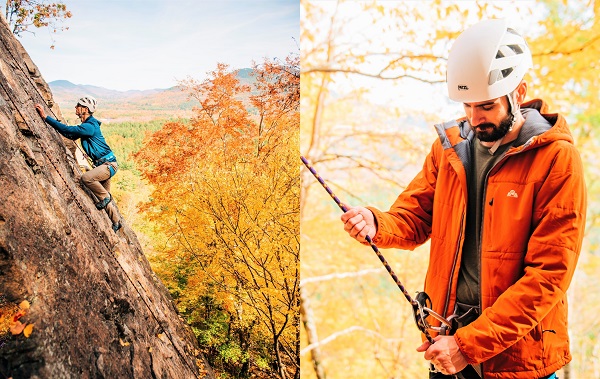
<point>507,217</point>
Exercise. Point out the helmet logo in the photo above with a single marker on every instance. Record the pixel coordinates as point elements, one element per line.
<point>462,87</point>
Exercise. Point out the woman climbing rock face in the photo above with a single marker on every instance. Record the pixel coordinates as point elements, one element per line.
<point>95,146</point>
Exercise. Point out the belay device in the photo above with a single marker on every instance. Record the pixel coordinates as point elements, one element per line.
<point>421,304</point>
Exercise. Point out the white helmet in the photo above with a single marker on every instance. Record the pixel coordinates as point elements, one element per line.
<point>89,102</point>
<point>487,61</point>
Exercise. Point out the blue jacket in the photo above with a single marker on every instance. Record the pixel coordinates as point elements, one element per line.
<point>92,140</point>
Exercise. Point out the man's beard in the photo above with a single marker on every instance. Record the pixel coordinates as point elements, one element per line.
<point>491,132</point>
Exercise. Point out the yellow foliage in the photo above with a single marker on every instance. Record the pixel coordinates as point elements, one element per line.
<point>364,128</point>
<point>225,195</point>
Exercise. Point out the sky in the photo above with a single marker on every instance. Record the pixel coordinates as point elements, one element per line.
<point>146,44</point>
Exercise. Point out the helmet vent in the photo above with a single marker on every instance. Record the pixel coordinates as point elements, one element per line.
<point>497,75</point>
<point>506,72</point>
<point>516,48</point>
<point>508,51</point>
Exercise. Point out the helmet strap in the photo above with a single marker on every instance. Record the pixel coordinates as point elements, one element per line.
<point>495,146</point>
<point>513,108</point>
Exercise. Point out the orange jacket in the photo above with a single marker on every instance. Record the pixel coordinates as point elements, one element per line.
<point>533,224</point>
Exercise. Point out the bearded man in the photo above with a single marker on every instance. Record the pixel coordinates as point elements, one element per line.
<point>502,198</point>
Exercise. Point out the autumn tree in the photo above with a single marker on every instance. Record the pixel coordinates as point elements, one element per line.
<point>226,192</point>
<point>366,128</point>
<point>21,15</point>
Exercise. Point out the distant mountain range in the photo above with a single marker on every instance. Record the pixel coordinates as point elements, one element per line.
<point>132,105</point>
<point>64,88</point>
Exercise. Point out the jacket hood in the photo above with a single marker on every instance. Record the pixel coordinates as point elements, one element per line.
<point>540,128</point>
<point>535,113</point>
<point>93,120</point>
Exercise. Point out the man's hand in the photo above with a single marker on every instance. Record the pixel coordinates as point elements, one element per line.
<point>359,222</point>
<point>41,111</point>
<point>444,354</point>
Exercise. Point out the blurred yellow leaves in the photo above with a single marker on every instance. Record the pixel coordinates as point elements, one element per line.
<point>373,83</point>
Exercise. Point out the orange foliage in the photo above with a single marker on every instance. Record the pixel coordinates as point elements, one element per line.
<point>226,199</point>
<point>22,14</point>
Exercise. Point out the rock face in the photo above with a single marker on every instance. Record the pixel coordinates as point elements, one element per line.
<point>98,309</point>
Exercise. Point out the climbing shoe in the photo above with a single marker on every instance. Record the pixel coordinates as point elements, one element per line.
<point>102,204</point>
<point>116,226</point>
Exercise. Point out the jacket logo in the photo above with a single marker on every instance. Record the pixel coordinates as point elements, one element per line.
<point>512,193</point>
<point>462,87</point>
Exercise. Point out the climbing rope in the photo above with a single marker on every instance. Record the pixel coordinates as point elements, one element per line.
<point>421,304</point>
<point>420,308</point>
<point>86,213</point>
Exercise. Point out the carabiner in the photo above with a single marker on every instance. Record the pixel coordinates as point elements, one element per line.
<point>422,310</point>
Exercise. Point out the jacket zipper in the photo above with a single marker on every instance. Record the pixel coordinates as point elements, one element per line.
<point>462,220</point>
<point>485,185</point>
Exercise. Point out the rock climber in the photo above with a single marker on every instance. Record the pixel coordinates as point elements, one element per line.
<point>95,146</point>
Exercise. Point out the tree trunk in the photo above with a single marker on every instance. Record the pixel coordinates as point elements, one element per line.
<point>311,333</point>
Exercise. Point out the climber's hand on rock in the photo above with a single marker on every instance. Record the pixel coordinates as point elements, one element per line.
<point>40,110</point>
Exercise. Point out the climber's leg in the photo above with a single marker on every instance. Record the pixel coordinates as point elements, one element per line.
<point>93,180</point>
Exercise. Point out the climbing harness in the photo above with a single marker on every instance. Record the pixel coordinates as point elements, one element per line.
<point>108,158</point>
<point>87,215</point>
<point>112,171</point>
